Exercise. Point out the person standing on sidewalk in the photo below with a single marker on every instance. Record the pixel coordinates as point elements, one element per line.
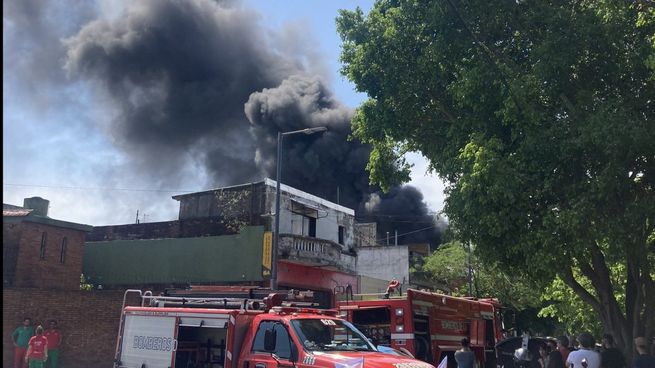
<point>37,351</point>
<point>611,356</point>
<point>563,347</point>
<point>54,336</point>
<point>586,356</point>
<point>555,357</point>
<point>465,357</point>
<point>21,338</point>
<point>642,359</point>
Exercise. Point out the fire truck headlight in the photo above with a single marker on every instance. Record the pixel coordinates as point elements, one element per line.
<point>400,328</point>
<point>400,312</point>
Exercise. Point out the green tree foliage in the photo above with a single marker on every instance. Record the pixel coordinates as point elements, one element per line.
<point>231,204</point>
<point>569,309</point>
<point>85,284</point>
<point>448,269</point>
<point>539,115</point>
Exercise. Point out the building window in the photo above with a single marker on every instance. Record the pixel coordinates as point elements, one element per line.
<point>44,240</point>
<point>64,246</point>
<point>312,227</point>
<point>303,225</point>
<point>341,232</point>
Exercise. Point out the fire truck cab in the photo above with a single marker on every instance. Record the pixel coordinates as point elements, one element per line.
<point>186,331</point>
<point>429,325</point>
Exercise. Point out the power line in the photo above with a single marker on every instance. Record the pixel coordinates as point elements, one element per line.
<point>362,217</point>
<point>97,188</point>
<point>407,233</point>
<point>394,222</point>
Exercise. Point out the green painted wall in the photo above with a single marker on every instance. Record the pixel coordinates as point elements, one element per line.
<point>228,258</point>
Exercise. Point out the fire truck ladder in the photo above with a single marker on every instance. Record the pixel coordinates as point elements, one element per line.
<point>120,324</point>
<point>246,298</point>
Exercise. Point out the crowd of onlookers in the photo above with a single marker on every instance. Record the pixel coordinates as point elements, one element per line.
<point>36,347</point>
<point>586,354</point>
<point>563,353</point>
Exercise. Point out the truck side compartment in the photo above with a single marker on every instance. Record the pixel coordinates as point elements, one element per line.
<point>428,325</point>
<point>278,331</point>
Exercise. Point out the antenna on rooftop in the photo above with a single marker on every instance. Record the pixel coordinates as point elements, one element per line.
<point>137,216</point>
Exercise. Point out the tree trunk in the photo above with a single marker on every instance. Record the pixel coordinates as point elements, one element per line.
<point>639,316</point>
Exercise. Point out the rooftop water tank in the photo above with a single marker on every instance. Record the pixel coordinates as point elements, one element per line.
<point>38,205</point>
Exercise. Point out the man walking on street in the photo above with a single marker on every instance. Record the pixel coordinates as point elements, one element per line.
<point>54,336</point>
<point>21,338</point>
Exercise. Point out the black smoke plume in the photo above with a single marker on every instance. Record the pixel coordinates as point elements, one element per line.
<point>327,164</point>
<point>204,79</point>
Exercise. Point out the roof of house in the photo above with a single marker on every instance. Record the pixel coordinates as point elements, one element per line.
<point>283,188</point>
<point>11,213</point>
<point>14,212</point>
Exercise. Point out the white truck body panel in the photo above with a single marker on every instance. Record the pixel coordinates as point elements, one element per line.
<point>148,340</point>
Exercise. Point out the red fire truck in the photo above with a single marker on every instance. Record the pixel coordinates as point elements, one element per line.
<point>183,329</point>
<point>429,325</point>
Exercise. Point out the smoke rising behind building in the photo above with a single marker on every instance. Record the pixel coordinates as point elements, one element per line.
<point>205,80</point>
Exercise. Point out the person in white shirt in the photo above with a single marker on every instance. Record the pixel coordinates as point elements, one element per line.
<point>585,357</point>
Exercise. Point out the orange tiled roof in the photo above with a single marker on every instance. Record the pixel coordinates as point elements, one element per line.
<point>15,212</point>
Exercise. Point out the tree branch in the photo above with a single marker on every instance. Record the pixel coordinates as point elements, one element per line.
<point>441,108</point>
<point>567,276</point>
<point>590,273</point>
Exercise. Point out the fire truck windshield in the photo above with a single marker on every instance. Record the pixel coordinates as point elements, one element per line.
<point>330,335</point>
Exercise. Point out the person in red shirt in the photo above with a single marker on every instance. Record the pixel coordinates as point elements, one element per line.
<point>37,350</point>
<point>54,336</point>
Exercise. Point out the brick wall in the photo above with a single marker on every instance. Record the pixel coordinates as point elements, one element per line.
<point>50,272</point>
<point>88,319</point>
<point>10,239</point>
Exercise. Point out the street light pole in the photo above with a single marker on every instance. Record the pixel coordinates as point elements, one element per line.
<point>470,271</point>
<point>276,235</point>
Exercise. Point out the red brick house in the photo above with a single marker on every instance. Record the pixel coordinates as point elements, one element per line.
<point>39,251</point>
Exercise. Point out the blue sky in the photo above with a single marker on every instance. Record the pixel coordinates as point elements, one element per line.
<point>318,18</point>
<point>57,141</point>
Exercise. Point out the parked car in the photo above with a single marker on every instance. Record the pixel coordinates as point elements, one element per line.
<point>510,353</point>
